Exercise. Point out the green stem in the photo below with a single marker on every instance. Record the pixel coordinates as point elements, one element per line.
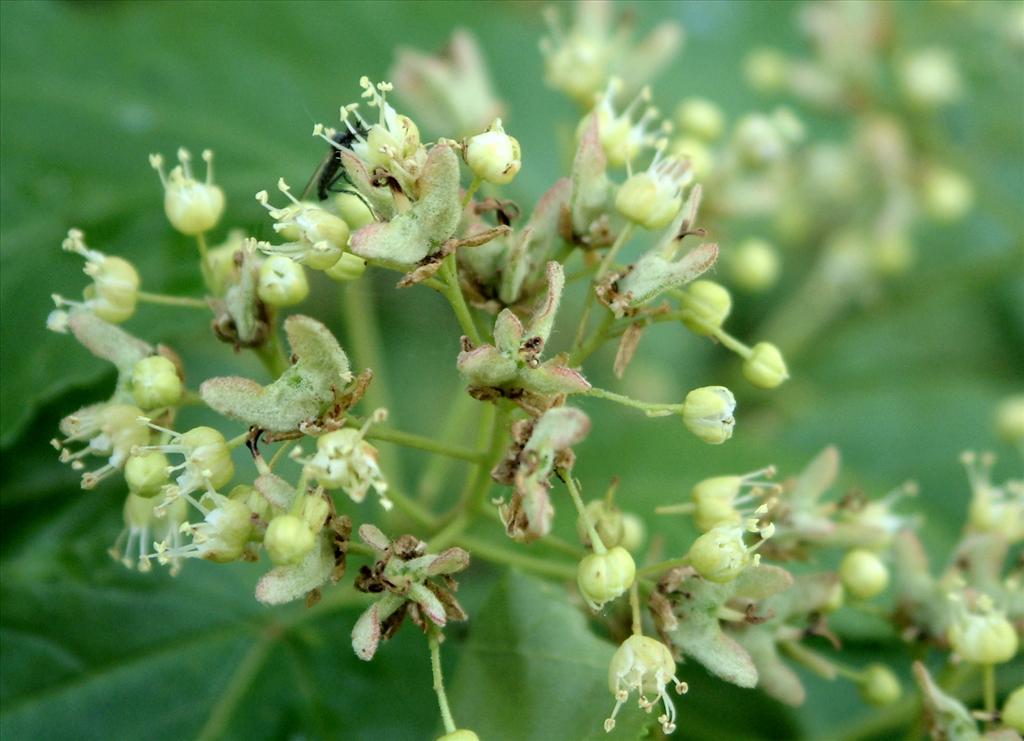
<point>732,343</point>
<point>653,409</point>
<point>422,442</point>
<point>163,300</point>
<point>595,540</point>
<point>594,341</point>
<point>453,294</point>
<point>435,668</point>
<point>988,675</point>
<point>237,440</point>
<point>471,191</point>
<point>609,257</point>
<point>634,606</point>
<point>482,484</point>
<point>271,354</point>
<point>436,472</point>
<point>487,551</point>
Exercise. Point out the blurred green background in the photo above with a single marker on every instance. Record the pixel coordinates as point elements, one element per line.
<point>90,650</point>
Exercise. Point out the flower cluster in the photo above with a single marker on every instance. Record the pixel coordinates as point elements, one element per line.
<point>606,252</point>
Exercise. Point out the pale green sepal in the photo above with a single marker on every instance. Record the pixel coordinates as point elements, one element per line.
<point>543,318</point>
<point>287,583</point>
<point>380,199</point>
<point>590,185</point>
<point>776,678</point>
<point>106,341</point>
<point>307,389</point>
<point>533,245</point>
<point>275,490</point>
<point>551,378</point>
<point>653,274</point>
<point>367,632</point>
<point>427,225</point>
<point>508,333</point>
<point>946,716</point>
<point>486,366</point>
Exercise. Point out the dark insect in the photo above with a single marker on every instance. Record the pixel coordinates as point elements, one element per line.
<point>331,171</point>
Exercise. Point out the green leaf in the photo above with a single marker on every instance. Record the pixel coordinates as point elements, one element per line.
<point>531,669</point>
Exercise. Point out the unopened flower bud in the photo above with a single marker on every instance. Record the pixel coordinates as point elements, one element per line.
<point>603,577</point>
<point>155,383</point>
<point>706,305</point>
<point>192,207</point>
<point>634,532</point>
<point>983,635</point>
<point>892,255</point>
<point>700,118</point>
<point>282,282</point>
<point>347,268</point>
<point>1010,420</point>
<point>863,574</point>
<point>766,70</point>
<point>1013,708</point>
<point>353,210</point>
<point>607,520</point>
<point>288,540</point>
<point>221,259</point>
<point>758,140</point>
<point>652,198</point>
<point>765,367</point>
<point>929,78</point>
<point>946,195</point>
<point>879,686</point>
<point>494,156</point>
<point>708,413</point>
<point>146,473</point>
<point>720,555</point>
<point>754,265</point>
<point>836,598</point>
<point>695,153</point>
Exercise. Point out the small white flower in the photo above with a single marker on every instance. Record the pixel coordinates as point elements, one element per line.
<point>344,460</point>
<point>191,206</point>
<point>108,430</point>
<point>645,666</point>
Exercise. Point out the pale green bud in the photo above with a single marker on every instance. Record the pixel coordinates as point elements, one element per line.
<point>754,265</point>
<point>892,255</point>
<point>946,195</point>
<point>930,78</point>
<point>603,577</point>
<point>708,413</point>
<point>863,574</point>
<point>1010,420</point>
<point>288,540</point>
<point>607,520</point>
<point>766,70</point>
<point>146,473</point>
<point>652,198</point>
<point>836,598</point>
<point>256,504</point>
<point>221,259</point>
<point>983,636</point>
<point>879,686</point>
<point>353,210</point>
<point>1013,708</point>
<point>765,367</point>
<point>493,156</point>
<point>347,268</point>
<point>701,118</point>
<point>114,291</point>
<point>710,513</point>
<point>758,140</point>
<point>282,282</point>
<point>155,383</point>
<point>208,456</point>
<point>706,305</point>
<point>720,555</point>
<point>634,532</point>
<point>191,206</point>
<point>696,153</point>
